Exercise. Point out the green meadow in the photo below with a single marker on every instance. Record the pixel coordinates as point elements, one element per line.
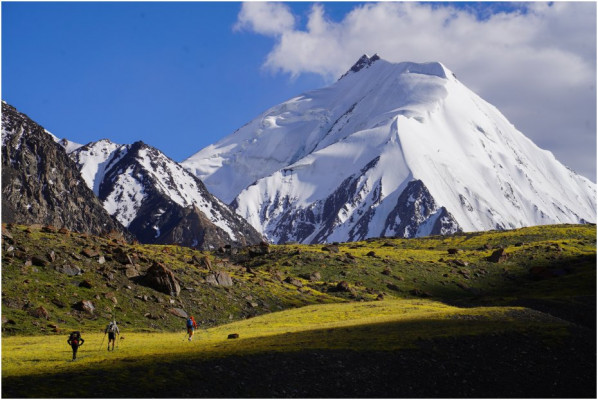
<point>387,317</point>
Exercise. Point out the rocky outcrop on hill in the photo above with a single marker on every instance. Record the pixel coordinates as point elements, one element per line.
<point>42,185</point>
<point>162,279</point>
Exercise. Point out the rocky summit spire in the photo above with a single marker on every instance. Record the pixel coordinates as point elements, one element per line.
<point>363,62</point>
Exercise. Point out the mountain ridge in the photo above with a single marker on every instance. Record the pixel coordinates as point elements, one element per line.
<point>156,199</point>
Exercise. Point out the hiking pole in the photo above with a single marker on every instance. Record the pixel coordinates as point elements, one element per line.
<point>103,337</point>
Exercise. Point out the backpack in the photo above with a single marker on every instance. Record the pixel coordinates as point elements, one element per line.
<point>75,337</point>
<point>112,327</point>
<point>189,323</point>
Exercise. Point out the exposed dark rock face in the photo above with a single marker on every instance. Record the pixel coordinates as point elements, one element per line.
<point>363,62</point>
<point>416,208</point>
<point>42,185</point>
<point>317,222</point>
<point>414,214</point>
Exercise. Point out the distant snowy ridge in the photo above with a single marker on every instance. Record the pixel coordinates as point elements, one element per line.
<point>334,164</point>
<point>151,195</point>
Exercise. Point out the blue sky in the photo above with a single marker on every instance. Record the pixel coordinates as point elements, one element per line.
<point>180,76</point>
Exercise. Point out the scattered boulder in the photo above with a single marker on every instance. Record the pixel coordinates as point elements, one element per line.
<point>211,279</point>
<point>224,279</point>
<point>131,271</point>
<point>498,256</point>
<point>52,256</point>
<point>178,312</point>
<point>38,261</point>
<point>162,279</point>
<point>461,263</point>
<point>233,336</point>
<point>101,260</point>
<point>315,276</point>
<point>7,236</point>
<point>86,284</point>
<point>49,229</point>
<point>120,255</point>
<point>387,271</point>
<point>58,303</point>
<point>454,251</point>
<point>259,250</point>
<point>69,270</point>
<point>203,262</point>
<point>331,248</point>
<point>85,306</point>
<point>294,281</point>
<point>40,312</point>
<point>371,254</point>
<point>343,286</point>
<point>90,253</point>
<point>278,275</point>
<point>220,278</point>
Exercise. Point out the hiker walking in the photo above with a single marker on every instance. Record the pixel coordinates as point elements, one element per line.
<point>75,341</point>
<point>112,330</point>
<point>191,325</point>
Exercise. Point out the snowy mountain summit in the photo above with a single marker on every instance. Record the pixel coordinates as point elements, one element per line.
<point>389,149</point>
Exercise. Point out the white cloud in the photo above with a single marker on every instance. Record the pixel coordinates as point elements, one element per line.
<point>537,64</point>
<point>270,19</point>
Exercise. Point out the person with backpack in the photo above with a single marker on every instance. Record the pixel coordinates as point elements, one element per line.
<point>191,325</point>
<point>112,330</point>
<point>75,341</point>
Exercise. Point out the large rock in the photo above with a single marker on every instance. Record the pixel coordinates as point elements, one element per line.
<point>40,312</point>
<point>219,279</point>
<point>179,312</point>
<point>68,270</point>
<point>498,256</point>
<point>162,279</point>
<point>85,306</point>
<point>224,279</point>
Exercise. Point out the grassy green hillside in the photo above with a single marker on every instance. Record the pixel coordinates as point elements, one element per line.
<point>430,314</point>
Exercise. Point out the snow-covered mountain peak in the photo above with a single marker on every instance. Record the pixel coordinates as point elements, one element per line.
<point>389,149</point>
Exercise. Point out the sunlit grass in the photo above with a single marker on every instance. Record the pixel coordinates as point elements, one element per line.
<point>385,325</point>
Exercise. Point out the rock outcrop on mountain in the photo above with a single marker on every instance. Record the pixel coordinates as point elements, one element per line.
<point>42,185</point>
<point>158,200</point>
<point>389,149</point>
